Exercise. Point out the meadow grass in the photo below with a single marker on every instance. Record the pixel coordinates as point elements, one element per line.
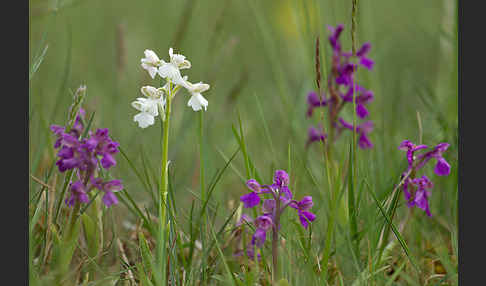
<point>259,58</point>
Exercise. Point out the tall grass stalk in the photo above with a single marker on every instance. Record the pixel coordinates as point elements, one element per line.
<point>353,167</point>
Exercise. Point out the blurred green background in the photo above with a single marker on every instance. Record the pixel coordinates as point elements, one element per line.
<point>258,57</point>
<point>100,44</point>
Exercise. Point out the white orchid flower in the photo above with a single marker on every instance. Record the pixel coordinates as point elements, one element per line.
<point>148,110</point>
<point>197,101</point>
<point>151,62</point>
<point>149,106</point>
<point>179,60</point>
<point>171,69</point>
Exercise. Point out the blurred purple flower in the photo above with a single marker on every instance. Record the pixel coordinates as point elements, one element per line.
<point>259,237</point>
<point>334,37</point>
<point>362,129</point>
<point>250,252</point>
<point>365,97</point>
<point>341,81</point>
<point>313,101</point>
<point>314,135</point>
<point>361,54</point>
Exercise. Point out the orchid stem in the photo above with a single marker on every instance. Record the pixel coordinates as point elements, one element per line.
<point>201,165</point>
<point>275,239</point>
<point>164,186</point>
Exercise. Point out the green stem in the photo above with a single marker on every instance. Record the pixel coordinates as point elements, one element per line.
<point>201,165</point>
<point>164,187</point>
<point>275,272</point>
<point>201,174</point>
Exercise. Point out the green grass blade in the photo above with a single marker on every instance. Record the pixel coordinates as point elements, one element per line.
<point>67,179</point>
<point>265,127</point>
<point>223,259</point>
<point>205,204</point>
<point>135,170</point>
<point>397,234</point>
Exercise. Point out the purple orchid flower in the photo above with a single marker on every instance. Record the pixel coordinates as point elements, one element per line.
<point>250,200</point>
<point>78,194</point>
<point>272,208</point>
<point>416,190</point>
<point>442,168</point>
<point>109,188</point>
<point>408,146</point>
<point>82,155</point>
<point>422,193</point>
<point>302,208</point>
<point>281,178</point>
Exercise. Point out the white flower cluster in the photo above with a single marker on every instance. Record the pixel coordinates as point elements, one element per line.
<point>154,101</point>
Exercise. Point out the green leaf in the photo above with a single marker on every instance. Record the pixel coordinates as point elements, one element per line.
<point>142,276</point>
<point>91,234</point>
<point>147,258</point>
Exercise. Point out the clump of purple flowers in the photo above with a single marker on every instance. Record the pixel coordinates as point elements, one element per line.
<point>417,189</point>
<point>341,87</point>
<point>85,156</point>
<point>272,208</point>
